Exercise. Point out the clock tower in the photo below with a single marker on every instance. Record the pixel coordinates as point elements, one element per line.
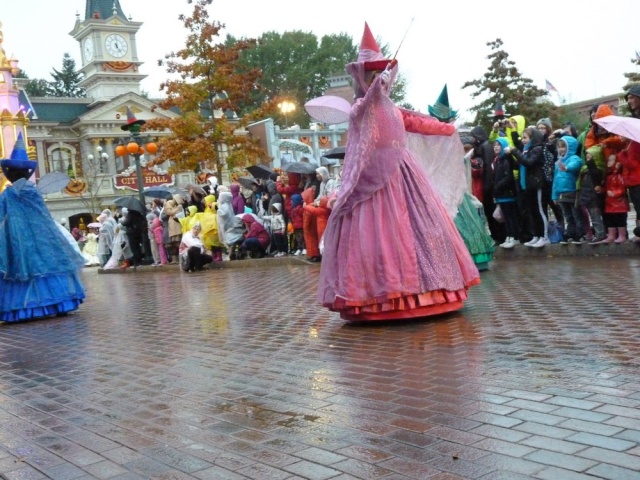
<point>109,53</point>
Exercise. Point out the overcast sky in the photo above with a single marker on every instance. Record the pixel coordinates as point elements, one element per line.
<point>582,50</point>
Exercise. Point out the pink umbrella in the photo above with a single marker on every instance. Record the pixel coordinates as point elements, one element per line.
<point>328,109</point>
<point>627,127</point>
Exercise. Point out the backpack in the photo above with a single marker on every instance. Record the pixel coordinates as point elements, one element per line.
<point>555,232</point>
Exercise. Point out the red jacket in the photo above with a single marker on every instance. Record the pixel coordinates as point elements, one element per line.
<point>296,216</point>
<point>287,190</point>
<point>619,202</point>
<point>630,160</point>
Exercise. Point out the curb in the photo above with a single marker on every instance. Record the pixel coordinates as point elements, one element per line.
<point>629,248</point>
<point>234,264</point>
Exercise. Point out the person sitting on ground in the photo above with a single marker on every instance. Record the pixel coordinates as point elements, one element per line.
<point>193,256</point>
<point>256,240</point>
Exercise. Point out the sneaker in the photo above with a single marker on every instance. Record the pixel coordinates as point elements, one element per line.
<point>566,241</point>
<point>532,242</point>
<point>580,241</point>
<point>596,240</point>
<point>510,243</point>
<point>542,242</point>
<point>184,263</point>
<point>298,252</point>
<point>304,251</point>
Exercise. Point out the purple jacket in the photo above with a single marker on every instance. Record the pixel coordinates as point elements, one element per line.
<point>237,202</point>
<point>256,231</point>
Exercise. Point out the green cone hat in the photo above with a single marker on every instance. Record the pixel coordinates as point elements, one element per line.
<point>441,109</point>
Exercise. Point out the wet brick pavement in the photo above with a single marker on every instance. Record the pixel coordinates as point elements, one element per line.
<point>237,373</point>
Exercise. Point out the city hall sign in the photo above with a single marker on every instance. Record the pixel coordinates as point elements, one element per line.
<point>151,176</point>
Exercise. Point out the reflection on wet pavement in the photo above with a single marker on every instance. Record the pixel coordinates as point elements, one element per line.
<point>239,374</point>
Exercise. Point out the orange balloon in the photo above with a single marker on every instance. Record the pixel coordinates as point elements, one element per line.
<point>132,148</point>
<point>152,148</point>
<point>121,150</point>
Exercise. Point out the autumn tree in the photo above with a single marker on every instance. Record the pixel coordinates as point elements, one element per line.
<point>66,81</point>
<point>210,87</point>
<point>504,82</point>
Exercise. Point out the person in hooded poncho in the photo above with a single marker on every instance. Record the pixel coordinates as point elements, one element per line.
<point>37,278</point>
<point>391,249</point>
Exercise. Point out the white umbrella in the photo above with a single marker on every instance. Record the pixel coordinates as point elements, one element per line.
<point>328,109</point>
<point>295,145</point>
<point>627,127</point>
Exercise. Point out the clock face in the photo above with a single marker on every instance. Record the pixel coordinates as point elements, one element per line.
<point>116,45</point>
<point>87,50</point>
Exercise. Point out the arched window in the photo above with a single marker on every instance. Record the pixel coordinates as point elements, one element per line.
<point>61,159</point>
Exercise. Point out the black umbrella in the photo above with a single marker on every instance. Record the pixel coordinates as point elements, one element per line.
<point>300,167</point>
<point>247,182</point>
<point>337,152</point>
<point>159,192</point>
<point>131,203</point>
<point>260,171</point>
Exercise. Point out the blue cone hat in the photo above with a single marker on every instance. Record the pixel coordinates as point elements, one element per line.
<point>441,109</point>
<point>19,158</point>
<point>499,111</point>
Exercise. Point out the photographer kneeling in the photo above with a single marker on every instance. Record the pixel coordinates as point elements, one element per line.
<point>193,255</point>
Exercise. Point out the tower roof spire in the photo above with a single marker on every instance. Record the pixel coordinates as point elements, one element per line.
<point>103,9</point>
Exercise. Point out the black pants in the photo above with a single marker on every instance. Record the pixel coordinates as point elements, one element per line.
<point>280,242</point>
<point>197,260</point>
<point>135,243</point>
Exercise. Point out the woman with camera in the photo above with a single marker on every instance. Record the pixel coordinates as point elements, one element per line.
<point>530,181</point>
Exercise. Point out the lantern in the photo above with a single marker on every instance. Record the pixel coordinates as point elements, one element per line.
<point>152,148</point>
<point>141,151</point>
<point>121,150</point>
<point>132,148</point>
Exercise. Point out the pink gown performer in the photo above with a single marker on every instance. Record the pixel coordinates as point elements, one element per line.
<point>391,250</point>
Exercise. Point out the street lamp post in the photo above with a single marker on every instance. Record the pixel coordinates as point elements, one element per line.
<point>286,107</point>
<point>134,148</point>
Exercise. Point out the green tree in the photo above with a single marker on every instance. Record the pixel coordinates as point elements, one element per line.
<point>211,85</point>
<point>633,78</point>
<point>65,81</point>
<point>36,87</point>
<point>504,82</point>
<point>295,66</point>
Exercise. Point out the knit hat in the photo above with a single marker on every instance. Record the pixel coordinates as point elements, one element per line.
<point>441,109</point>
<point>296,199</point>
<point>546,122</point>
<point>634,90</point>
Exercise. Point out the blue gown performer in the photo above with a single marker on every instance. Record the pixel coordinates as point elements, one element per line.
<point>39,269</point>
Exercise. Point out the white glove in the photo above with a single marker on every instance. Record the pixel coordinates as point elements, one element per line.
<point>385,77</point>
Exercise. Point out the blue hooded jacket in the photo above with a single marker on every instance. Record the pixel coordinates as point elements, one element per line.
<point>565,181</point>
